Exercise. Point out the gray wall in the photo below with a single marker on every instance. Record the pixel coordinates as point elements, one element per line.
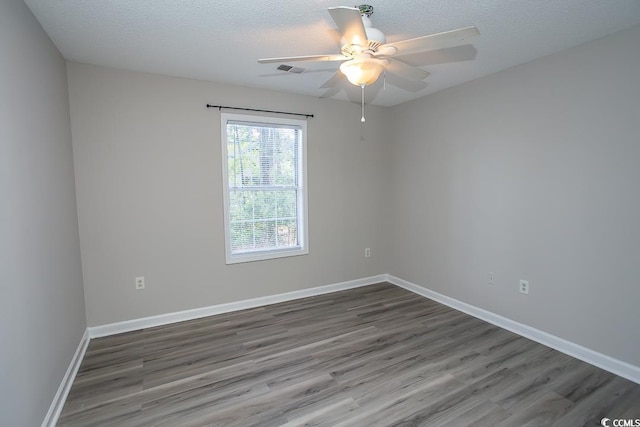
<point>149,189</point>
<point>42,316</point>
<point>531,173</point>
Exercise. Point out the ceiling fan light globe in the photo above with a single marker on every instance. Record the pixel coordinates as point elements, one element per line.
<point>363,71</point>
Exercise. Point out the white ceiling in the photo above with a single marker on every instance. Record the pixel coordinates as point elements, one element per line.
<point>221,40</point>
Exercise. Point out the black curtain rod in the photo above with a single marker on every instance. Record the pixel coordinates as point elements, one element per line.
<point>220,107</point>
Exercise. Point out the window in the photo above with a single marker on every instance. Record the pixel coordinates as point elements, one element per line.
<point>264,175</point>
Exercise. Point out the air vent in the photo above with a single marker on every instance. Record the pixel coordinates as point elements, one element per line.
<point>290,69</point>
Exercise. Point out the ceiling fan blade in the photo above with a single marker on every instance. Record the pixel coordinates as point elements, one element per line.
<point>442,56</point>
<point>444,40</point>
<point>309,58</point>
<point>408,85</point>
<point>350,24</point>
<point>406,71</point>
<point>334,80</point>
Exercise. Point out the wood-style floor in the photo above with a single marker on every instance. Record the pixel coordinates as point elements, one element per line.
<point>372,356</point>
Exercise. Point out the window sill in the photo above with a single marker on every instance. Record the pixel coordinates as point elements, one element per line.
<point>265,255</point>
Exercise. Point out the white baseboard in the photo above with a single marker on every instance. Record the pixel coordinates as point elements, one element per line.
<point>180,316</point>
<point>608,363</point>
<point>63,391</point>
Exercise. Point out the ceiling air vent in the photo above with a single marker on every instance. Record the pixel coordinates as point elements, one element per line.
<point>290,69</point>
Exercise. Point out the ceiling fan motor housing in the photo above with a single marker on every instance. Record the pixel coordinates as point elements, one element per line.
<point>375,37</point>
<point>373,34</point>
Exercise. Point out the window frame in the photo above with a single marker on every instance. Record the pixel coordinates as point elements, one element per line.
<point>302,204</point>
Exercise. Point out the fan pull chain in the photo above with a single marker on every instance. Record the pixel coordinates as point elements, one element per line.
<point>362,119</point>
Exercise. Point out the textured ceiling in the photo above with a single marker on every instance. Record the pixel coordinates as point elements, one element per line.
<point>221,40</point>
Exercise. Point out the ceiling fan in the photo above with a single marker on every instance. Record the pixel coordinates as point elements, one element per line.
<point>365,53</point>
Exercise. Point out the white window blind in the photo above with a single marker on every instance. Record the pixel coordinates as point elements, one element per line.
<point>265,198</point>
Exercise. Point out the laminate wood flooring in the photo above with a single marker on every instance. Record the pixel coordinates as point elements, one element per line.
<point>372,356</point>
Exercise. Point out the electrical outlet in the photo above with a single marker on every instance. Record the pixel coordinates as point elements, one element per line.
<point>492,278</point>
<point>140,283</point>
<point>367,252</point>
<point>524,286</point>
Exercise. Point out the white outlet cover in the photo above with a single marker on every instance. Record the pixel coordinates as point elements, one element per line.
<point>140,283</point>
<point>524,286</point>
<point>492,278</point>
